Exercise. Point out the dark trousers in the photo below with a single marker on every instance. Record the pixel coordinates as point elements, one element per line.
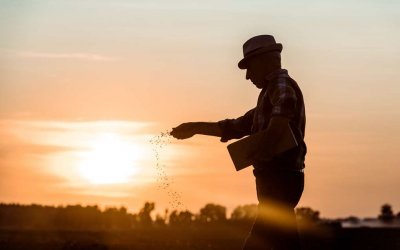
<point>278,192</point>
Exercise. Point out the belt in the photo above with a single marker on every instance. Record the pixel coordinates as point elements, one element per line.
<point>272,169</point>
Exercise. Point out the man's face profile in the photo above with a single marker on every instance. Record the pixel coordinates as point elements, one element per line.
<point>259,66</point>
<point>255,71</point>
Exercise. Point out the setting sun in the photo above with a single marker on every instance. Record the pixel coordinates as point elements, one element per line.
<point>110,160</point>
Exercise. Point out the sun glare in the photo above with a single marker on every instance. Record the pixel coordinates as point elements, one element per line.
<point>111,160</point>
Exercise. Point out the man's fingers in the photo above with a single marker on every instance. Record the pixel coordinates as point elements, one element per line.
<point>183,131</point>
<point>176,135</point>
<point>179,134</point>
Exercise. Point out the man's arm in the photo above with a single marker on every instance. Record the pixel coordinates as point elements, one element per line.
<point>189,129</point>
<point>272,136</point>
<point>226,129</point>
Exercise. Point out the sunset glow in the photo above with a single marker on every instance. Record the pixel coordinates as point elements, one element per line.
<point>110,160</point>
<point>85,85</point>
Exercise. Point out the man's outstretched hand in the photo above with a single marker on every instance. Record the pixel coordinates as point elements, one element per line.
<point>184,131</point>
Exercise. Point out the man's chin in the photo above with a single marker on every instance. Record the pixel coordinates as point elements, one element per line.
<point>258,85</point>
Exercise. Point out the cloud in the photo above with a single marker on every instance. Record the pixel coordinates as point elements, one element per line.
<point>76,56</point>
<point>18,149</point>
<point>43,137</point>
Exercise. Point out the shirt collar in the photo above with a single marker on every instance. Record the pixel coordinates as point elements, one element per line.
<point>276,73</point>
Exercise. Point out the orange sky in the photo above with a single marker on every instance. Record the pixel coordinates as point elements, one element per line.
<point>75,76</point>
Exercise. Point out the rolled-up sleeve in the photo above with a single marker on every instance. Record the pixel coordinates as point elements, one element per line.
<point>283,99</point>
<point>236,128</point>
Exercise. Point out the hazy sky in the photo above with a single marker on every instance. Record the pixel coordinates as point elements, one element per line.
<point>78,76</point>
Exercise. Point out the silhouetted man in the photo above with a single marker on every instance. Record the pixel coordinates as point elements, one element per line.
<point>280,180</point>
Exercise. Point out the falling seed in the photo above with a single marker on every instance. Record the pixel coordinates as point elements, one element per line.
<point>164,181</point>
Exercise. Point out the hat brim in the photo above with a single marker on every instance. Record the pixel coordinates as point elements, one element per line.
<point>274,47</point>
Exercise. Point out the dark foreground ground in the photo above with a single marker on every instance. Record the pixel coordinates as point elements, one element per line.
<point>221,237</point>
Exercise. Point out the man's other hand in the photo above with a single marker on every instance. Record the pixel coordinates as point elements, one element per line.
<point>184,131</point>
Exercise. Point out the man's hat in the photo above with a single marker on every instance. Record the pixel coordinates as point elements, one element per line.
<point>258,45</point>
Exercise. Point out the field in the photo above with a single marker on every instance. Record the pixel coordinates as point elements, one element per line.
<point>221,237</point>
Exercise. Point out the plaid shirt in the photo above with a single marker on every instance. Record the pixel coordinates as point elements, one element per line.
<point>280,97</point>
